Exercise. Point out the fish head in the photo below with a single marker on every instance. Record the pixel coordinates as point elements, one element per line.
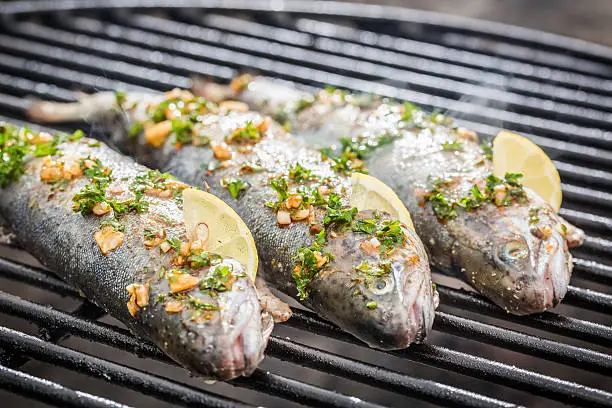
<point>228,341</point>
<point>385,300</point>
<point>516,256</point>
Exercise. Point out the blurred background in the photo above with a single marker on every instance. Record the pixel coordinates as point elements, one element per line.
<point>585,19</point>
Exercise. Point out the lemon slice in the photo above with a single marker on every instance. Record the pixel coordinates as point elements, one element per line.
<point>369,193</point>
<point>227,234</point>
<point>513,153</point>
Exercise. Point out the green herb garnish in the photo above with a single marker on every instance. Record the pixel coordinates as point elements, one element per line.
<point>455,145</point>
<point>247,134</point>
<point>235,187</point>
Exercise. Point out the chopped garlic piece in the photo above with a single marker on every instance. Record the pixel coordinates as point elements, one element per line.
<point>108,239</point>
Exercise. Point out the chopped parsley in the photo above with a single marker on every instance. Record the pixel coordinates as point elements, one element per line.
<point>390,234</point>
<point>309,262</point>
<point>199,305</point>
<point>175,243</point>
<point>114,224</point>
<point>135,129</point>
<point>247,134</point>
<point>15,145</point>
<point>235,187</point>
<point>353,151</point>
<point>455,145</point>
<point>446,207</point>
<point>221,279</point>
<point>487,148</point>
<point>371,305</point>
<point>534,216</point>
<point>182,130</point>
<point>281,187</point>
<point>304,104</point>
<point>299,173</point>
<point>196,260</point>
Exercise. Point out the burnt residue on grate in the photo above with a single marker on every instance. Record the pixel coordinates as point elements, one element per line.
<point>556,91</point>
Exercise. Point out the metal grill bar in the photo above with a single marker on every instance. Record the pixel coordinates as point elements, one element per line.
<point>437,356</point>
<point>170,63</point>
<point>426,57</point>
<point>137,380</point>
<point>564,325</point>
<point>357,63</point>
<point>477,367</point>
<point>51,392</point>
<point>511,69</point>
<point>196,48</point>
<point>278,348</point>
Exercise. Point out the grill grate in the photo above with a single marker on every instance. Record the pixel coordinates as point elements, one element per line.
<point>556,91</point>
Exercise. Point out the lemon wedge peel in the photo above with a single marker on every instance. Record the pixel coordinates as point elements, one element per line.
<point>369,193</point>
<point>513,153</point>
<point>228,234</point>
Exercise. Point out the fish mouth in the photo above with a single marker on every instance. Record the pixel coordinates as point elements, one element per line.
<point>242,354</point>
<point>543,284</point>
<point>553,265</point>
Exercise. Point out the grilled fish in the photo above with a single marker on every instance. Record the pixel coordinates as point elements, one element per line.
<point>362,270</point>
<point>499,237</point>
<point>114,229</point>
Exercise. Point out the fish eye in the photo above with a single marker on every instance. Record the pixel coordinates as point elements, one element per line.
<point>381,286</point>
<point>513,251</point>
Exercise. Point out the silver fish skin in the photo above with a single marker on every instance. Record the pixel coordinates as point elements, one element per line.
<point>403,300</point>
<point>497,250</point>
<point>229,344</point>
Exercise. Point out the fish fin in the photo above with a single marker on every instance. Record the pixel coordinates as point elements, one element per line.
<point>279,310</point>
<point>212,91</point>
<point>88,106</point>
<point>573,235</point>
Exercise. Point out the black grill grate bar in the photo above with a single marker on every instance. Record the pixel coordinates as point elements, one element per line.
<point>137,380</point>
<point>564,325</point>
<point>199,51</point>
<point>522,53</point>
<point>586,220</point>
<point>187,66</point>
<point>51,392</point>
<point>46,91</point>
<point>471,365</point>
<point>62,76</point>
<point>278,348</point>
<point>35,277</point>
<point>344,57</point>
<point>149,77</point>
<point>417,62</point>
<point>586,195</point>
<point>453,55</point>
<point>593,271</point>
<point>555,148</point>
<point>464,363</point>
<point>156,79</point>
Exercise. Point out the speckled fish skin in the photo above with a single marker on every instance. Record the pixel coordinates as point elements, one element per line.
<point>476,246</point>
<point>405,307</point>
<point>230,345</point>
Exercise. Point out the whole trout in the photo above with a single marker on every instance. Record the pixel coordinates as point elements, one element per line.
<point>499,237</point>
<point>113,229</point>
<point>362,270</point>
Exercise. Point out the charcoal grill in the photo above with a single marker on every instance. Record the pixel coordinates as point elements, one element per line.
<point>555,90</point>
